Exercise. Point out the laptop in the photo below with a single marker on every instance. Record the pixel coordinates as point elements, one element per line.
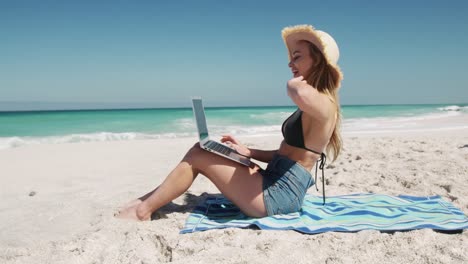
<point>210,145</point>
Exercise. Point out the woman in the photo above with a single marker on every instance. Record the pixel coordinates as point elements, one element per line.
<point>314,127</point>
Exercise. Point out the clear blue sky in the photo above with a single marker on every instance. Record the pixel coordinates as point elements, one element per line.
<point>159,53</point>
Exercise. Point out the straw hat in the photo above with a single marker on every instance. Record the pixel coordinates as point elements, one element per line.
<point>324,42</point>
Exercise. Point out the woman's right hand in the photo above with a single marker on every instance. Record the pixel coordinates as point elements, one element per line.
<point>236,144</point>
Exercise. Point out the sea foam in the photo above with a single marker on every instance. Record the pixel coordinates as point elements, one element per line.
<point>12,142</point>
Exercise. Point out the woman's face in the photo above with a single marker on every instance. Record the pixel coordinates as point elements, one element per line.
<point>301,61</point>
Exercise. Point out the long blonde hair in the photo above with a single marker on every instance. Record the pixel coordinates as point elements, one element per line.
<point>327,79</point>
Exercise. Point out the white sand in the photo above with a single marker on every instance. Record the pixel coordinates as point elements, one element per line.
<point>57,204</point>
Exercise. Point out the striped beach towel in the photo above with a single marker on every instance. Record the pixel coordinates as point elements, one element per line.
<point>346,213</point>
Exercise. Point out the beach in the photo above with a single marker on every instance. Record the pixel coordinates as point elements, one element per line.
<point>58,203</point>
<point>98,105</point>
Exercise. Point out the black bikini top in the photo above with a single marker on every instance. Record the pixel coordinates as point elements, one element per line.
<point>294,136</point>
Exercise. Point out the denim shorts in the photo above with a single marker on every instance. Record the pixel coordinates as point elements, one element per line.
<point>285,183</point>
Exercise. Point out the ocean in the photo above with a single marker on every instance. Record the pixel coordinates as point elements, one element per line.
<point>66,126</point>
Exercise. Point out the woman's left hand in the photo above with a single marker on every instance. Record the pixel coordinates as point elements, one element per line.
<point>295,85</point>
<point>235,144</point>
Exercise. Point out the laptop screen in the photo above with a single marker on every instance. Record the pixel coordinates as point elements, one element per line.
<point>200,118</point>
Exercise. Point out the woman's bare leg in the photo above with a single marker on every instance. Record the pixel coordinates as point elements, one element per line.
<point>137,200</point>
<point>240,184</point>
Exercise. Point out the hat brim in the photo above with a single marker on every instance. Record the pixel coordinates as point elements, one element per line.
<point>292,36</point>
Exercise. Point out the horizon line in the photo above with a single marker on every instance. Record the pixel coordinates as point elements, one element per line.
<point>107,106</point>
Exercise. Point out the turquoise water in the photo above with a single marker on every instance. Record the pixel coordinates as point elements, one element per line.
<point>18,128</point>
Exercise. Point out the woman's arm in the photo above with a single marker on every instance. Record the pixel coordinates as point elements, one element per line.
<point>262,155</point>
<point>308,99</point>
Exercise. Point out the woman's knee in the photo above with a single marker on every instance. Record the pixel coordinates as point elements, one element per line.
<point>193,153</point>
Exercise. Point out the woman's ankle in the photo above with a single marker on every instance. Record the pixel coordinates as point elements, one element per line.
<point>142,212</point>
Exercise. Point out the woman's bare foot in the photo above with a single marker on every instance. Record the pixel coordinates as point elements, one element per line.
<point>131,204</point>
<point>132,214</point>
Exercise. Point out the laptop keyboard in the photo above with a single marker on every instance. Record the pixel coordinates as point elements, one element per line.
<point>218,147</point>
